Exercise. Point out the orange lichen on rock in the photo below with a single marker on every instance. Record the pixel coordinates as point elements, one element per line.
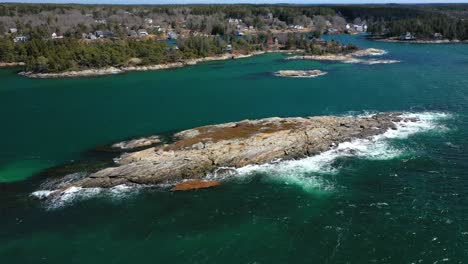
<point>194,185</point>
<point>240,130</point>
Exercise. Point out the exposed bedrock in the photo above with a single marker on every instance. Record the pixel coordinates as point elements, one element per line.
<point>200,151</point>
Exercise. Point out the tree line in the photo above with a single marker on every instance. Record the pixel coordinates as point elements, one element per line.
<point>41,56</point>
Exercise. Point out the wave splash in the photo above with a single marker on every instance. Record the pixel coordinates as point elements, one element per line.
<point>56,198</point>
<point>309,173</point>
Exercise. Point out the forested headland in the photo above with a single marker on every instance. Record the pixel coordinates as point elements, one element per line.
<point>57,38</point>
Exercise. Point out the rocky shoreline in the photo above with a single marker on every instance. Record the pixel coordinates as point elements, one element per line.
<point>300,73</point>
<point>419,41</point>
<point>197,154</point>
<point>346,58</point>
<point>137,143</point>
<point>355,57</point>
<point>120,70</point>
<point>11,64</point>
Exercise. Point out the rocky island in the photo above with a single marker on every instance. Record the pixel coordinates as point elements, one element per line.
<point>299,73</point>
<point>219,149</point>
<point>354,57</point>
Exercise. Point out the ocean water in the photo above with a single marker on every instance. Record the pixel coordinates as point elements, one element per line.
<point>400,197</point>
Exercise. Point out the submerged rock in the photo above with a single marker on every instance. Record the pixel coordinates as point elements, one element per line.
<point>202,151</point>
<point>300,74</point>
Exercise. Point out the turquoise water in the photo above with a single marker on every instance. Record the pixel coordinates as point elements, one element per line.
<point>402,200</point>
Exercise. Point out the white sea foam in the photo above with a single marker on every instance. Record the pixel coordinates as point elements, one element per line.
<point>311,173</point>
<point>373,61</point>
<point>58,198</point>
<point>370,61</point>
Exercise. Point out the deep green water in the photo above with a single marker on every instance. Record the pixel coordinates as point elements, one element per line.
<point>401,200</point>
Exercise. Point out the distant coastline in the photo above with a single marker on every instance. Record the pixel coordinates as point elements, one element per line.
<point>124,69</point>
<point>342,57</point>
<point>416,41</point>
<point>11,64</point>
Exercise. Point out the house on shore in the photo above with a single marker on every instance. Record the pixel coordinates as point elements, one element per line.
<point>148,21</point>
<point>142,33</point>
<point>437,36</point>
<point>360,28</point>
<point>272,43</point>
<point>103,34</point>
<point>100,21</point>
<point>234,21</point>
<point>90,36</point>
<point>99,34</point>
<point>13,30</point>
<point>19,39</point>
<point>55,36</point>
<point>407,36</point>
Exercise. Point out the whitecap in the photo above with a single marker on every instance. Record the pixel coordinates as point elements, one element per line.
<point>311,173</point>
<point>54,199</point>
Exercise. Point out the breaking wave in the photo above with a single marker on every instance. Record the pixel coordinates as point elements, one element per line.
<point>311,173</point>
<point>55,198</point>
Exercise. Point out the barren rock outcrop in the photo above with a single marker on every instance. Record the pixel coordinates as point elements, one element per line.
<point>200,151</point>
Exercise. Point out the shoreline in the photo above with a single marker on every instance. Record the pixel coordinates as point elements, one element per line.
<point>200,152</point>
<point>201,162</point>
<point>353,58</point>
<point>299,73</point>
<point>11,64</point>
<point>120,70</point>
<point>416,41</point>
<point>112,70</point>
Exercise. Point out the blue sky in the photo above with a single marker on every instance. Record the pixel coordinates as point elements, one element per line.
<point>234,1</point>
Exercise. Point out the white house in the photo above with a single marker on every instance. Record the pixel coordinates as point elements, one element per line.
<point>142,32</point>
<point>407,36</point>
<point>358,28</point>
<point>148,21</point>
<point>20,39</point>
<point>234,21</point>
<point>91,36</point>
<point>55,36</point>
<point>13,30</point>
